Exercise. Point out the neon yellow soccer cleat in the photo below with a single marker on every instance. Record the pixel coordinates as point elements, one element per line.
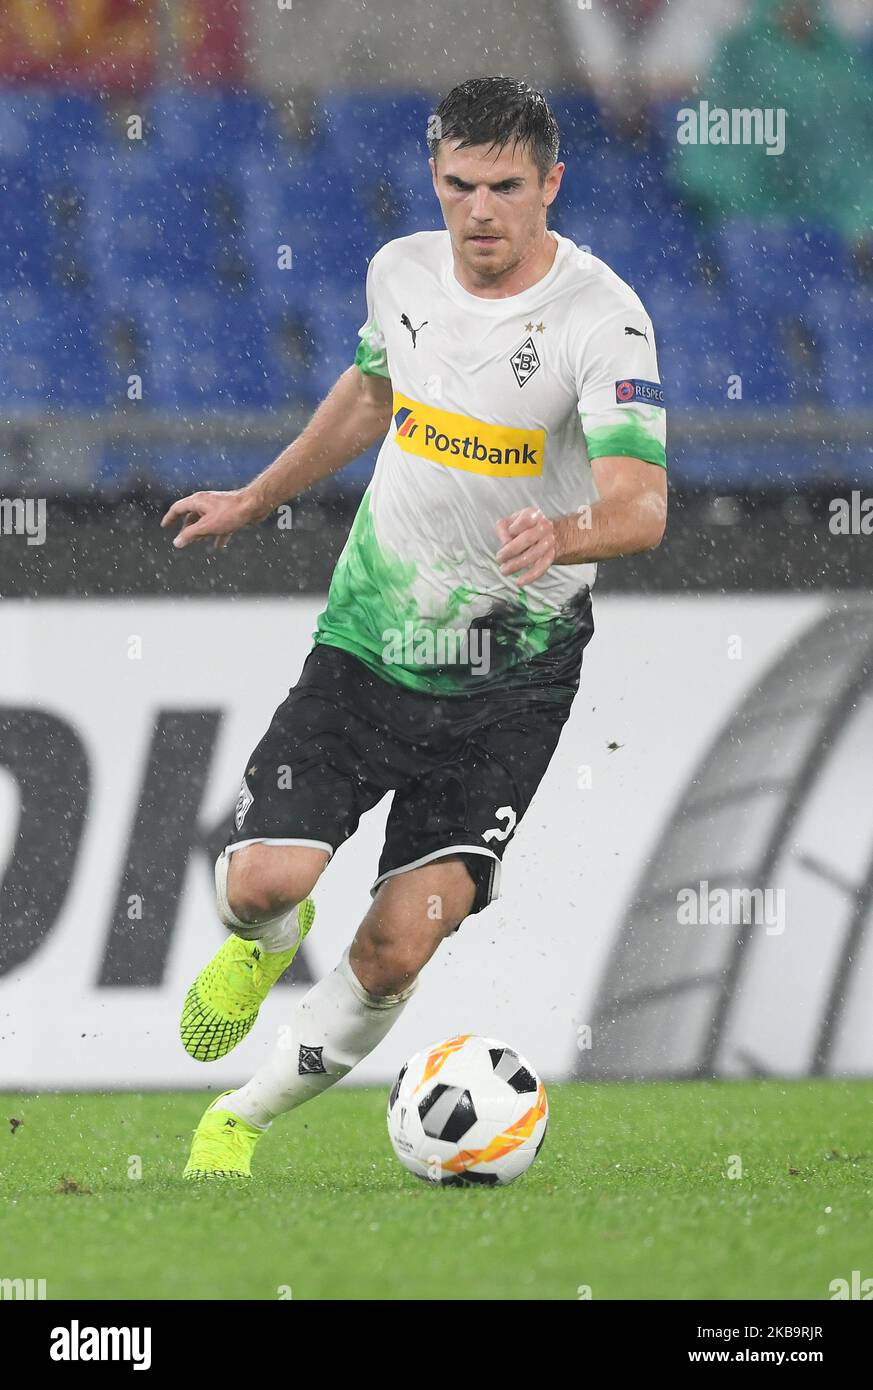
<point>223,1145</point>
<point>222,1004</point>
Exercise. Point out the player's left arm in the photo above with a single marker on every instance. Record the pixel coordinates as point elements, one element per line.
<point>631,516</point>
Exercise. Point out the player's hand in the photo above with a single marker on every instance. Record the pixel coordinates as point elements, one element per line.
<point>528,545</point>
<point>205,514</point>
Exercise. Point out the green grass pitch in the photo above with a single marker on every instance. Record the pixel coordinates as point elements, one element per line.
<point>629,1197</point>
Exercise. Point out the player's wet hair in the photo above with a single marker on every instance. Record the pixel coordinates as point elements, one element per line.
<point>497,111</point>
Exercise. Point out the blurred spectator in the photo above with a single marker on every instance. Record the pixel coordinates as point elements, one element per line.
<point>854,17</point>
<point>790,56</point>
<point>629,50</point>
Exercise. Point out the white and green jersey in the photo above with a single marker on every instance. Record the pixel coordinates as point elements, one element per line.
<point>499,404</point>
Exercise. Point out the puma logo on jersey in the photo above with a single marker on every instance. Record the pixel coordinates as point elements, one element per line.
<point>637,334</point>
<point>404,319</point>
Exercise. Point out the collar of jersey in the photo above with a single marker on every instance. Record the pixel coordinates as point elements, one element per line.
<point>512,303</point>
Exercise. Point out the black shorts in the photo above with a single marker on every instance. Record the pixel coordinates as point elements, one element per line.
<point>463,769</point>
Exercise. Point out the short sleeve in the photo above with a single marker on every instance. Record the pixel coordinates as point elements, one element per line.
<point>371,356</point>
<point>621,400</point>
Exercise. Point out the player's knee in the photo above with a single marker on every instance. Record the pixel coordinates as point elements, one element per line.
<point>388,959</point>
<point>266,880</point>
<point>385,967</point>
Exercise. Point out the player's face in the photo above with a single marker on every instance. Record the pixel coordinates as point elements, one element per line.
<point>493,204</point>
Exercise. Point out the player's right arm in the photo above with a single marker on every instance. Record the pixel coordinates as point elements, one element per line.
<point>355,415</point>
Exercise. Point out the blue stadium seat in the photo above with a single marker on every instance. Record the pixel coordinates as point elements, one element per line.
<point>18,107</point>
<point>66,125</point>
<point>311,210</point>
<point>369,130</point>
<point>375,147</point>
<point>663,119</point>
<point>843,318</point>
<point>28,348</point>
<point>695,336</point>
<point>83,378</point>
<point>25,227</point>
<point>644,250</point>
<point>703,343</point>
<point>579,124</point>
<point>146,220</point>
<point>773,267</point>
<point>419,208</point>
<point>334,317</point>
<point>51,351</point>
<point>48,125</point>
<point>165,229</point>
<point>201,351</point>
<point>212,124</point>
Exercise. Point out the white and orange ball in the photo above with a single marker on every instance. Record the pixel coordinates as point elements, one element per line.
<point>467,1111</point>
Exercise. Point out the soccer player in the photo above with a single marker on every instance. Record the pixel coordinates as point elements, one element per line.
<point>512,379</point>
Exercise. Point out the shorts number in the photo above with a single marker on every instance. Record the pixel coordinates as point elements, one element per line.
<point>503,813</point>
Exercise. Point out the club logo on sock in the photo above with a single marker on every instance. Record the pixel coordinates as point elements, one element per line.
<point>310,1061</point>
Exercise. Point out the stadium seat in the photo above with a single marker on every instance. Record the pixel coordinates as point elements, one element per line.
<point>213,124</point>
<point>378,143</point>
<point>199,351</point>
<point>705,347</point>
<point>373,130</point>
<point>17,109</point>
<point>180,237</point>
<point>27,348</point>
<point>66,126</point>
<point>643,250</point>
<point>145,219</point>
<point>25,227</point>
<point>310,210</point>
<point>843,318</point>
<point>579,123</point>
<point>773,267</point>
<point>49,126</point>
<point>695,333</point>
<point>335,316</point>
<point>51,351</point>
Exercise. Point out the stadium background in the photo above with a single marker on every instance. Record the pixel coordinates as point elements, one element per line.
<point>150,344</point>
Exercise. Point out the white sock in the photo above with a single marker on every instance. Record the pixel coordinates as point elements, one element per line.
<point>279,934</point>
<point>333,1028</point>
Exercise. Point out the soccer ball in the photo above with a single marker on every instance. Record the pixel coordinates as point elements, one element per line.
<point>469,1110</point>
